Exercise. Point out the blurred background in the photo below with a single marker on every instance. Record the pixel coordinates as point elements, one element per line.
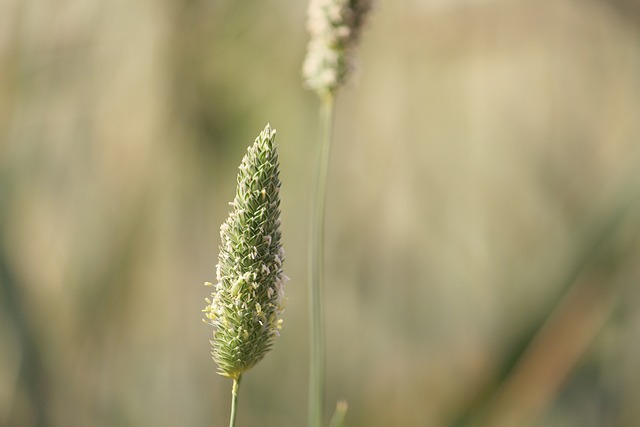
<point>483,211</point>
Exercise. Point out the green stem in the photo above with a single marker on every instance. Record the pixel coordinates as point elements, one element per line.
<point>316,262</point>
<point>234,401</point>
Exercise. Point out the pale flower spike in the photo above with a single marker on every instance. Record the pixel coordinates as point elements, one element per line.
<point>248,300</point>
<point>335,27</point>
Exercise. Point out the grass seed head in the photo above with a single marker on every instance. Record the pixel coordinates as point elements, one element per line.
<point>248,299</point>
<point>335,27</point>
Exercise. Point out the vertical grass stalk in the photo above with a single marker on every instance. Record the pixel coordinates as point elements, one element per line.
<point>234,401</point>
<point>246,305</point>
<point>334,26</point>
<point>316,262</point>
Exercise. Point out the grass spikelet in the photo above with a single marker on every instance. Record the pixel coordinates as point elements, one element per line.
<point>335,27</point>
<point>248,300</point>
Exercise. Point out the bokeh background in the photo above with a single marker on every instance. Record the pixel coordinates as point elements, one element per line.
<point>483,211</point>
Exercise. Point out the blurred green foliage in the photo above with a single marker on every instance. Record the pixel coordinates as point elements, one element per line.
<point>483,211</point>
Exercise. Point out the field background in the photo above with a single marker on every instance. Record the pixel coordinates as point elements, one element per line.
<point>483,211</point>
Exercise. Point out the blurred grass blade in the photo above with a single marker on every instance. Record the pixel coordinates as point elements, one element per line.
<point>340,413</point>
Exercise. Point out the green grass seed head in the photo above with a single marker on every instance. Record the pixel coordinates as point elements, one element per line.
<point>335,27</point>
<point>248,299</point>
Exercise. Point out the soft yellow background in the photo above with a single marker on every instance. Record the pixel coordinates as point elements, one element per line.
<point>485,174</point>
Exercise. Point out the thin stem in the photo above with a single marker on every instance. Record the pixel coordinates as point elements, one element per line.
<point>234,401</point>
<point>316,262</point>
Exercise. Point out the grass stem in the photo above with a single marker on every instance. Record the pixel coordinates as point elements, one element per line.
<point>316,262</point>
<point>234,401</point>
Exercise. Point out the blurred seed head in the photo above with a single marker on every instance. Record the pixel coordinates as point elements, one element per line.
<point>248,300</point>
<point>335,27</point>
